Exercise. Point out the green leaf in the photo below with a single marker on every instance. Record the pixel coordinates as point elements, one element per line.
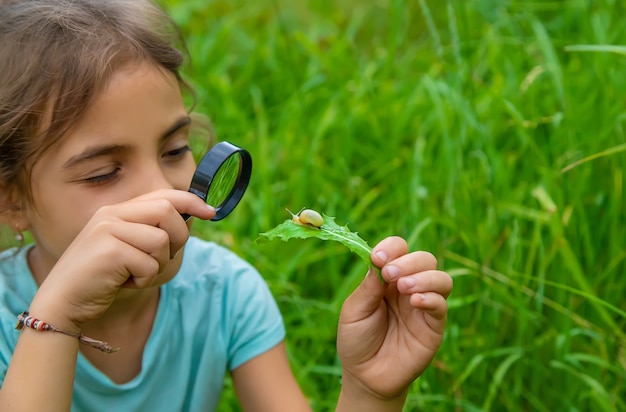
<point>328,231</point>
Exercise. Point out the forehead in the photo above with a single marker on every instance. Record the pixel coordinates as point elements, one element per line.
<point>138,103</point>
<point>137,100</point>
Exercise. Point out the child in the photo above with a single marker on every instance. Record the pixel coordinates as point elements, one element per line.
<point>95,163</point>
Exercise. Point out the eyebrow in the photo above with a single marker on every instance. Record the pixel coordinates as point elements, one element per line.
<point>96,151</point>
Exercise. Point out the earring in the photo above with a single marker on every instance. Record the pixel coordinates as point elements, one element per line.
<point>19,236</point>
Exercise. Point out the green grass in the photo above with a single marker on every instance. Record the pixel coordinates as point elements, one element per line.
<point>488,132</point>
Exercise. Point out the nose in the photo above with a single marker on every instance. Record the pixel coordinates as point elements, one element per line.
<point>152,177</point>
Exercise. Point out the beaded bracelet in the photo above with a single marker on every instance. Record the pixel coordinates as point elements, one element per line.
<point>24,320</point>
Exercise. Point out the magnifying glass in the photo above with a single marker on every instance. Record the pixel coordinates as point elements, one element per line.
<point>221,178</point>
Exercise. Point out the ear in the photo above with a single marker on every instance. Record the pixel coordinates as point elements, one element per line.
<point>12,212</point>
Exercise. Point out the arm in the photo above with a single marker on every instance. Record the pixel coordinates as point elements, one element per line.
<point>355,398</point>
<point>41,374</point>
<point>266,384</point>
<point>389,333</point>
<point>124,245</point>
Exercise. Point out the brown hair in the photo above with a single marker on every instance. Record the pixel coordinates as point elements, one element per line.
<point>55,56</point>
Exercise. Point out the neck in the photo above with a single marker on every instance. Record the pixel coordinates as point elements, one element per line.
<point>132,309</point>
<point>125,325</point>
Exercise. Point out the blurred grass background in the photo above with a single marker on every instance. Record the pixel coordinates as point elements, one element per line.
<point>491,133</point>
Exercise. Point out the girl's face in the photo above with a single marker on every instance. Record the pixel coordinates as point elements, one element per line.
<point>133,139</point>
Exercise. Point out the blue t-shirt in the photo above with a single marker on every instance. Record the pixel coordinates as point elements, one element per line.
<point>216,314</point>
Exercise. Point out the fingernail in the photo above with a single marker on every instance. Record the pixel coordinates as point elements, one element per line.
<point>392,272</point>
<point>382,255</point>
<point>211,208</point>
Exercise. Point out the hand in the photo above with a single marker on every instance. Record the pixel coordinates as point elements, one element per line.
<point>389,333</point>
<point>130,244</point>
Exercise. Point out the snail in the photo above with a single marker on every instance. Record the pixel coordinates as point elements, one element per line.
<point>307,217</point>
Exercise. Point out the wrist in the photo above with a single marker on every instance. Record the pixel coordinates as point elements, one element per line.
<point>53,315</point>
<point>356,397</point>
<point>28,321</point>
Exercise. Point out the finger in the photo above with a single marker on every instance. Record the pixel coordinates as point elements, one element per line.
<point>388,249</point>
<point>184,202</point>
<point>433,303</point>
<point>149,208</point>
<point>150,240</point>
<point>142,268</point>
<point>434,310</point>
<point>408,264</point>
<point>428,281</point>
<point>159,213</point>
<point>365,299</point>
<point>131,254</point>
<point>163,215</point>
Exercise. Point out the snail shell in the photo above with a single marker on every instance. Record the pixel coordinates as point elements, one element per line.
<point>307,217</point>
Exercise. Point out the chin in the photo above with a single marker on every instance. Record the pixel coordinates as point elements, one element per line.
<point>170,270</point>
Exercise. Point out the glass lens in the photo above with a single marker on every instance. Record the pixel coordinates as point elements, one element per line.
<point>224,181</point>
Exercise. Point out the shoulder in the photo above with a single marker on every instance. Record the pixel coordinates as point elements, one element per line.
<point>209,263</point>
<point>17,289</point>
<point>205,254</point>
<point>217,276</point>
<point>17,286</point>
<point>12,260</point>
<point>226,294</point>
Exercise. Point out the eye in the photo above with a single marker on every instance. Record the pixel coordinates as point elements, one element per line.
<point>104,178</point>
<point>179,152</point>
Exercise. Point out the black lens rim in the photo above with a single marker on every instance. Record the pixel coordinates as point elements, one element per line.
<point>208,168</point>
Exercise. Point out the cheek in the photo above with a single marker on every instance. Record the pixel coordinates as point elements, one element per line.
<point>57,216</point>
<point>55,230</point>
<point>180,177</point>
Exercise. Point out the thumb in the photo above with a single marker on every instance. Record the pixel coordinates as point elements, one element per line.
<point>365,299</point>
